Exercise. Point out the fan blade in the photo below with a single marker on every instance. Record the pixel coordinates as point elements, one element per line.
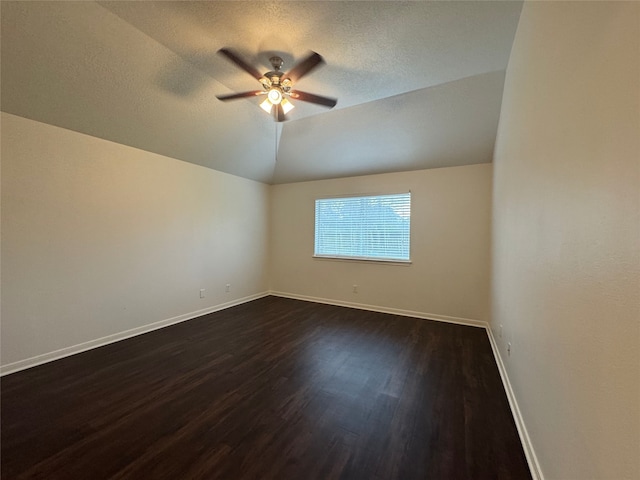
<point>279,113</point>
<point>304,67</point>
<point>311,98</point>
<point>235,58</point>
<point>235,96</point>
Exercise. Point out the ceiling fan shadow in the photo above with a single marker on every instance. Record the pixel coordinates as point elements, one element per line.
<point>181,79</point>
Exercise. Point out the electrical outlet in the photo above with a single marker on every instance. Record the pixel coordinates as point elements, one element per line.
<point>202,293</point>
<point>500,331</point>
<point>227,288</point>
<point>355,289</point>
<point>509,349</point>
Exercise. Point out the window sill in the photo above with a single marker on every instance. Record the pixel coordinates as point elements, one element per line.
<point>404,263</point>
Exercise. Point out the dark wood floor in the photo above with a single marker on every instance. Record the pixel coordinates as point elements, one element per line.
<point>272,389</point>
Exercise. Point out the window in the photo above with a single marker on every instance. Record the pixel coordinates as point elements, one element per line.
<point>364,228</point>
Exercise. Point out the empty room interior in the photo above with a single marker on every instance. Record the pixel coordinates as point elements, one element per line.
<point>320,240</point>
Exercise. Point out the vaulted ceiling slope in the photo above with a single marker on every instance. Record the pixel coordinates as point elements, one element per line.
<point>419,84</point>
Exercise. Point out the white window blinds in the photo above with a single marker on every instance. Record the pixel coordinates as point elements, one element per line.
<point>367,228</point>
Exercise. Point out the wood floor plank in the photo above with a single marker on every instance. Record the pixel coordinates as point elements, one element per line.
<point>271,389</point>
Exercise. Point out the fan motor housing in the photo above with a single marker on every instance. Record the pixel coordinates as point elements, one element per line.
<point>275,76</point>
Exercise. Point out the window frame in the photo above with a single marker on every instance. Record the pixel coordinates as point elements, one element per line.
<point>358,259</point>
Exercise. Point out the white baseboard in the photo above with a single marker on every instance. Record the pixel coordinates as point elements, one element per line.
<point>376,308</point>
<point>532,459</point>
<point>99,342</point>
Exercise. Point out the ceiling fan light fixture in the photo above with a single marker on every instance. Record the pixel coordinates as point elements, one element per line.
<point>266,105</point>
<point>275,96</point>
<point>287,106</point>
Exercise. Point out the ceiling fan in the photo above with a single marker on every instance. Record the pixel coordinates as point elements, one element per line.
<point>277,85</point>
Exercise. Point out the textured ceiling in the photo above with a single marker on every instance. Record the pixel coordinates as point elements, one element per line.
<point>418,84</point>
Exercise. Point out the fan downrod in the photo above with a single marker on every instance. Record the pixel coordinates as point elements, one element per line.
<point>276,62</point>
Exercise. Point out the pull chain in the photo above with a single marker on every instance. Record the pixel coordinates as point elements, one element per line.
<point>276,144</point>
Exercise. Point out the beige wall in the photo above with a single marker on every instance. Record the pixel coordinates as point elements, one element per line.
<point>567,235</point>
<point>450,244</point>
<point>99,238</point>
